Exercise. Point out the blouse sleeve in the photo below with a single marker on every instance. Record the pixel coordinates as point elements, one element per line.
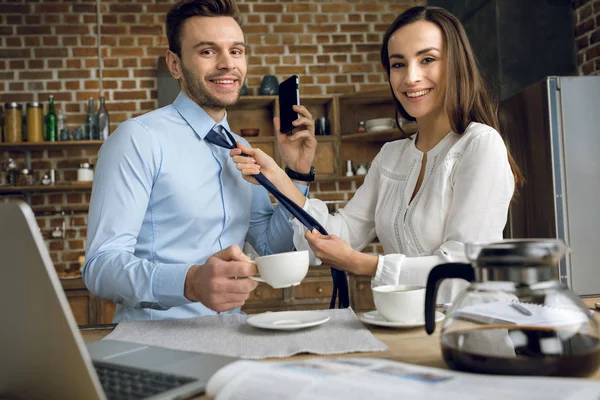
<point>355,223</point>
<point>482,183</point>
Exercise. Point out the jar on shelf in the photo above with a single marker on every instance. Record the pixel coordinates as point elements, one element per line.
<point>12,173</point>
<point>26,177</point>
<point>64,135</point>
<point>34,122</point>
<point>362,127</point>
<point>13,122</point>
<point>77,134</point>
<point>46,180</point>
<point>85,172</point>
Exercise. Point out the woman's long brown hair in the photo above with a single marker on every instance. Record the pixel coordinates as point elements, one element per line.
<point>468,98</point>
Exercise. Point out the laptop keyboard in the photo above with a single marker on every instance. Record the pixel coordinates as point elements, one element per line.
<point>129,383</point>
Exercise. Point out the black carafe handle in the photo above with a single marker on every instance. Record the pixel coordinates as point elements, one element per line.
<point>435,278</point>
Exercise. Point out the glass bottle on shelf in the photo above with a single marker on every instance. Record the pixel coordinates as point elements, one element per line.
<point>61,122</point>
<point>103,120</point>
<point>91,123</point>
<point>12,173</point>
<point>51,122</point>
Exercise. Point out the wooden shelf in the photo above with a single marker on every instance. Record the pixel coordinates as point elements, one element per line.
<point>259,139</point>
<point>381,136</point>
<point>372,97</point>
<point>254,102</point>
<point>58,209</point>
<point>24,146</point>
<point>326,138</point>
<point>64,187</point>
<point>357,178</point>
<point>71,284</point>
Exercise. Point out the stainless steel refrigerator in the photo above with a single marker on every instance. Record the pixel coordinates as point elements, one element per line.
<point>553,130</point>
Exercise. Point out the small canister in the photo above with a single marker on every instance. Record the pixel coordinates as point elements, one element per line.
<point>85,172</point>
<point>26,177</point>
<point>362,127</point>
<point>13,120</point>
<point>34,122</point>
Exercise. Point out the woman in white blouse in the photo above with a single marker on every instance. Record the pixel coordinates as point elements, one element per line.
<point>424,196</point>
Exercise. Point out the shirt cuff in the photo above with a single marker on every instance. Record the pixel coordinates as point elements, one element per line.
<point>299,230</point>
<point>302,188</point>
<point>168,282</point>
<point>388,270</point>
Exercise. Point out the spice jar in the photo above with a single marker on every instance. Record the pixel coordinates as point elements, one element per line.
<point>13,120</point>
<point>362,127</point>
<point>34,122</point>
<point>26,177</point>
<point>85,173</point>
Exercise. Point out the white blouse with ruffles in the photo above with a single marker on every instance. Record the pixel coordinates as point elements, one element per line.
<point>464,197</point>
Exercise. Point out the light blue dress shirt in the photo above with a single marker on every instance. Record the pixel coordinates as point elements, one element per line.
<point>164,199</point>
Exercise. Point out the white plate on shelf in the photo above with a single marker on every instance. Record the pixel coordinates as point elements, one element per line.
<point>380,128</point>
<point>288,320</point>
<point>373,318</point>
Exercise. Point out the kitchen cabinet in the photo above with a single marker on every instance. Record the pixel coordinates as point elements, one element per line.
<point>258,112</point>
<point>361,148</point>
<point>81,304</point>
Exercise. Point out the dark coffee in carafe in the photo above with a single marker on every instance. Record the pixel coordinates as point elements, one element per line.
<point>536,351</point>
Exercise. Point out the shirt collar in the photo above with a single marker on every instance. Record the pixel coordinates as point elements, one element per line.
<point>196,117</point>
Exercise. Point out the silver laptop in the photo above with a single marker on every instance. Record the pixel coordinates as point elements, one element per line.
<point>42,355</point>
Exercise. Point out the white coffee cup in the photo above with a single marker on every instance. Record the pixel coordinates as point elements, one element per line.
<point>283,269</point>
<point>400,303</point>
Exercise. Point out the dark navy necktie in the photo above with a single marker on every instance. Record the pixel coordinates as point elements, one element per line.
<point>340,282</point>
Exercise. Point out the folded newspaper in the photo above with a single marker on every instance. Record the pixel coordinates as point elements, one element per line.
<point>379,379</point>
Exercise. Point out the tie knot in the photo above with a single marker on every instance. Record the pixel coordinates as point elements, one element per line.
<point>219,136</point>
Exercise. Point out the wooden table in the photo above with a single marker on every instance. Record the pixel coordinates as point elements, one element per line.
<point>412,346</point>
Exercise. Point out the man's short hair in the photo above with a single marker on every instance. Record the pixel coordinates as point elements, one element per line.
<point>185,9</point>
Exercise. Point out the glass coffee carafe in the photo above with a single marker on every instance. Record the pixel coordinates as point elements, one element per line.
<point>515,318</point>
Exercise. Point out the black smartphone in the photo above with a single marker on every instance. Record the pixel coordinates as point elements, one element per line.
<point>289,95</point>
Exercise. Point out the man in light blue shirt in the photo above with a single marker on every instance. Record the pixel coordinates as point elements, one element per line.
<point>169,211</point>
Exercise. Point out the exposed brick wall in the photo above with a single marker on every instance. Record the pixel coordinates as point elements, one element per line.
<point>587,35</point>
<point>50,47</point>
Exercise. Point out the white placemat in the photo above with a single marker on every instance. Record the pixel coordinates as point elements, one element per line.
<point>229,334</point>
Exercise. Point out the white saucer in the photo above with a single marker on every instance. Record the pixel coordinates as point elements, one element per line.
<point>259,279</point>
<point>373,318</point>
<point>288,320</point>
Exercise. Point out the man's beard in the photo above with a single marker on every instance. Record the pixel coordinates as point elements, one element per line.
<point>201,95</point>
